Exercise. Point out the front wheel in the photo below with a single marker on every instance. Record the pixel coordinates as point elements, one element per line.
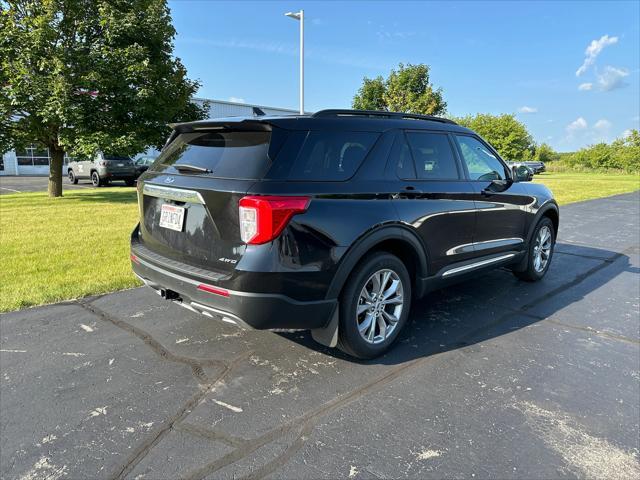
<point>95,179</point>
<point>72,178</point>
<point>540,252</point>
<point>374,306</point>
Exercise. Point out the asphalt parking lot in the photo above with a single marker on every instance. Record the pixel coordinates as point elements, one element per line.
<point>494,378</point>
<point>24,183</point>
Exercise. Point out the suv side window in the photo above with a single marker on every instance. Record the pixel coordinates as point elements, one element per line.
<point>401,157</point>
<point>481,163</point>
<point>433,156</point>
<point>332,155</point>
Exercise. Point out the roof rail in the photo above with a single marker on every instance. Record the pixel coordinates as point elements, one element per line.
<point>379,113</point>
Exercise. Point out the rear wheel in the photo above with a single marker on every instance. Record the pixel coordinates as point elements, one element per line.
<point>540,252</point>
<point>130,182</point>
<point>374,306</point>
<point>95,179</point>
<point>72,177</point>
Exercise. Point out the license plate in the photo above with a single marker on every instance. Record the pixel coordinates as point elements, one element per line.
<point>172,217</point>
<point>121,164</point>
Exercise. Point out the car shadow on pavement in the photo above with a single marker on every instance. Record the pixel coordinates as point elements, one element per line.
<point>493,305</point>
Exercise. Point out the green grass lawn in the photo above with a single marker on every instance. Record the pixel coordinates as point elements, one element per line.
<point>60,248</point>
<point>570,187</point>
<point>78,245</point>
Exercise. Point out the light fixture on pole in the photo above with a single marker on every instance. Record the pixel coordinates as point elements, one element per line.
<point>300,17</point>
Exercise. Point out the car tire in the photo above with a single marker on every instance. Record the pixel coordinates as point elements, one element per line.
<point>130,182</point>
<point>362,310</point>
<point>72,178</point>
<point>540,252</point>
<point>96,181</point>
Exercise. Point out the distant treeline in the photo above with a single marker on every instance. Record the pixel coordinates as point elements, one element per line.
<point>621,155</point>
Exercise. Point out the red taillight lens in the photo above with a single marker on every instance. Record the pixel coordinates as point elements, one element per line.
<point>211,289</point>
<point>263,218</point>
<point>134,259</point>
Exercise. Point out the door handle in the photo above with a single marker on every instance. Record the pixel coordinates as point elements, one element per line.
<point>411,189</point>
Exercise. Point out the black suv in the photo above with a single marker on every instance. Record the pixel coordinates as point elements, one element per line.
<point>332,222</point>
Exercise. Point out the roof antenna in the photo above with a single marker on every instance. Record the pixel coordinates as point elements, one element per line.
<point>257,112</point>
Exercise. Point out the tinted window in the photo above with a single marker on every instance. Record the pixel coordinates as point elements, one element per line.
<point>481,162</point>
<point>331,156</point>
<point>226,154</point>
<point>433,156</point>
<point>117,158</point>
<point>401,156</point>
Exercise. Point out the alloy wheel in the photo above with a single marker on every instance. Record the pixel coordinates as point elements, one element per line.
<point>380,306</point>
<point>542,249</point>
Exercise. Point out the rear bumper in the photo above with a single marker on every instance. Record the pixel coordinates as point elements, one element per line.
<point>249,310</point>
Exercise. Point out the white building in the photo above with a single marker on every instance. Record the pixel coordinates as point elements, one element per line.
<point>35,160</point>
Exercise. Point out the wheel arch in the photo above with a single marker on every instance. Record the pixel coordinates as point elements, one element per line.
<point>397,240</point>
<point>549,210</point>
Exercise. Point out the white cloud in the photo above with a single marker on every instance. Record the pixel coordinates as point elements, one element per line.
<point>526,109</point>
<point>236,100</point>
<point>585,86</point>
<point>626,133</point>
<point>612,78</point>
<point>602,125</point>
<point>578,124</point>
<point>593,50</point>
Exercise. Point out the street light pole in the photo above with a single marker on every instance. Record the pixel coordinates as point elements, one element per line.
<point>300,17</point>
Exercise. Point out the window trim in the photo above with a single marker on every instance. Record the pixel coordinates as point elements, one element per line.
<point>454,151</point>
<point>486,144</point>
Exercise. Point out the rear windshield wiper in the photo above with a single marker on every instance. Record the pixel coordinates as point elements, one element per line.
<point>183,167</point>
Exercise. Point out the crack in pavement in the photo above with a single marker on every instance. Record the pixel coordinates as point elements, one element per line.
<point>196,364</point>
<point>197,368</point>
<point>599,333</point>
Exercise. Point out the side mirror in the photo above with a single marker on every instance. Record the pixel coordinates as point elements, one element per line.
<point>522,173</point>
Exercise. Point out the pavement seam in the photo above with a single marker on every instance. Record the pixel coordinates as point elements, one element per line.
<point>196,365</point>
<point>600,333</point>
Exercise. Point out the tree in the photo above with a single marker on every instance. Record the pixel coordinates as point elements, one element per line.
<point>504,132</point>
<point>82,75</point>
<point>406,90</point>
<point>544,153</point>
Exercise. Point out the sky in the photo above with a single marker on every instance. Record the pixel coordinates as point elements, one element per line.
<point>568,70</point>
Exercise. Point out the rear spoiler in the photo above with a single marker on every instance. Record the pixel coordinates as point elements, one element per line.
<point>252,124</point>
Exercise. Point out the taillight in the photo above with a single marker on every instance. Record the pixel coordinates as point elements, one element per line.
<point>262,218</point>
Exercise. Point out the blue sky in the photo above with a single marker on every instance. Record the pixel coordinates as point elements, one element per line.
<point>569,70</point>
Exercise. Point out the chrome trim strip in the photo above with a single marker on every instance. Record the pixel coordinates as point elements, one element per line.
<point>170,193</point>
<point>471,266</point>
<point>498,242</point>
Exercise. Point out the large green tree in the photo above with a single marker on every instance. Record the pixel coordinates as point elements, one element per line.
<point>81,75</point>
<point>407,89</point>
<point>504,132</point>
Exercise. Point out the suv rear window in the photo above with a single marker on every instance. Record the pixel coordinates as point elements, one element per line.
<point>239,154</point>
<point>331,155</point>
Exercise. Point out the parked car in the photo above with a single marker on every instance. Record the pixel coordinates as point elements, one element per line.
<point>332,222</point>
<point>142,164</point>
<point>103,169</point>
<point>535,166</point>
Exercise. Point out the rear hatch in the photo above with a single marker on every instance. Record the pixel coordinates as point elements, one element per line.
<point>118,164</point>
<point>189,197</point>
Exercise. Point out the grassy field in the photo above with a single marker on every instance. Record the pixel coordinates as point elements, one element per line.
<point>78,245</point>
<point>69,247</point>
<point>574,187</point>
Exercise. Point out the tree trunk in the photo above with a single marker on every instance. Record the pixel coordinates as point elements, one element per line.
<point>55,171</point>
